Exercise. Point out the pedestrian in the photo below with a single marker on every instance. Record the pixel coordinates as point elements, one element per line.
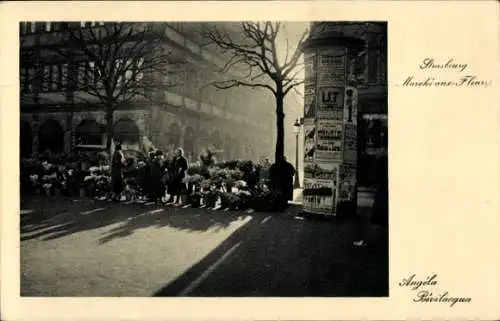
<point>380,209</point>
<point>156,175</point>
<point>117,164</point>
<point>281,175</point>
<point>150,181</point>
<point>178,169</point>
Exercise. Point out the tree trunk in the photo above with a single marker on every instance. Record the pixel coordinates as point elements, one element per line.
<point>109,126</point>
<point>280,129</point>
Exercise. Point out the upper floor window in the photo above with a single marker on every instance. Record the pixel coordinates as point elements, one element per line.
<point>55,77</point>
<point>28,27</point>
<point>87,24</point>
<point>64,75</point>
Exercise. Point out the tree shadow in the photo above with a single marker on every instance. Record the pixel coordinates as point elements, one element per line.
<point>131,216</point>
<point>283,257</point>
<point>178,218</point>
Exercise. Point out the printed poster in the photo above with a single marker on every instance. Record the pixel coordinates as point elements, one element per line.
<point>329,130</point>
<point>309,150</point>
<point>309,140</point>
<point>350,105</point>
<point>310,65</point>
<point>332,67</point>
<point>309,105</point>
<point>328,151</point>
<point>350,144</point>
<point>327,171</point>
<point>319,195</point>
<point>330,103</point>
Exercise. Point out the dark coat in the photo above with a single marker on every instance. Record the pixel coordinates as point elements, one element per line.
<point>281,175</point>
<point>178,167</point>
<point>155,179</point>
<point>380,211</point>
<point>116,172</point>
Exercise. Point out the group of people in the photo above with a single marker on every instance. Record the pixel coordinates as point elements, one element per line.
<point>165,174</point>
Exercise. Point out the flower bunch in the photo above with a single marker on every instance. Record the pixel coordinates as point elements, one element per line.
<point>46,166</point>
<point>240,184</point>
<point>100,170</point>
<point>34,180</point>
<point>193,179</point>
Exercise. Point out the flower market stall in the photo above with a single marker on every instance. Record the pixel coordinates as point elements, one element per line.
<point>232,185</point>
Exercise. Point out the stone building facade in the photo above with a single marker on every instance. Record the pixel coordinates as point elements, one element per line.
<point>238,123</point>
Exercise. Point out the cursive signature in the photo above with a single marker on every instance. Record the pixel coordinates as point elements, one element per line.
<point>415,283</point>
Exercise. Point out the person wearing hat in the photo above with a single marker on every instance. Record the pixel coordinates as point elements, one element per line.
<point>155,178</point>
<point>117,164</point>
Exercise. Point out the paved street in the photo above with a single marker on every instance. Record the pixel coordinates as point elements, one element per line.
<point>92,248</point>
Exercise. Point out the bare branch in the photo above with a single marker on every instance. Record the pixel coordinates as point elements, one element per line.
<point>257,54</point>
<point>292,85</point>
<point>122,60</point>
<point>236,83</point>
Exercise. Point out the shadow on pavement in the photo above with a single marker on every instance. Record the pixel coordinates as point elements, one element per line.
<point>289,258</point>
<point>132,217</point>
<point>178,218</point>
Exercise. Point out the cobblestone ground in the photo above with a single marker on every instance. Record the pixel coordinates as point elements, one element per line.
<point>93,248</point>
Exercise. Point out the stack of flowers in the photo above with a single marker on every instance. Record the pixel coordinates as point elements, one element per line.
<point>49,182</point>
<point>35,182</point>
<point>98,183</point>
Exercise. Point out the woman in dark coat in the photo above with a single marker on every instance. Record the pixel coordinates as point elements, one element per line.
<point>178,169</point>
<point>156,178</point>
<point>116,173</point>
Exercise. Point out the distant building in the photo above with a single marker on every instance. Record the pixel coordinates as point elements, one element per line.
<point>239,123</point>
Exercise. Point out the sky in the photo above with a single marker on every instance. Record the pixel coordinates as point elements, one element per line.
<point>292,31</point>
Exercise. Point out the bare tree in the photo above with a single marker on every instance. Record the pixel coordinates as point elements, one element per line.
<point>255,54</point>
<point>117,63</point>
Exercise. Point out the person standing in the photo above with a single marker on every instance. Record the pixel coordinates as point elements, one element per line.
<point>281,174</point>
<point>178,168</point>
<point>117,164</point>
<point>155,179</point>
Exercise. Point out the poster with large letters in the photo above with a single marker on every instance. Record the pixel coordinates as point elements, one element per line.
<point>330,104</point>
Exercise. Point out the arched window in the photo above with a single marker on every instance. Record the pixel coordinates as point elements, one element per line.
<point>89,132</point>
<point>51,137</point>
<point>25,139</point>
<point>126,131</point>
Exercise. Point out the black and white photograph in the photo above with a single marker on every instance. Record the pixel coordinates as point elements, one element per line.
<point>203,159</point>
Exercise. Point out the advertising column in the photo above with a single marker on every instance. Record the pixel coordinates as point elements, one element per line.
<point>330,131</point>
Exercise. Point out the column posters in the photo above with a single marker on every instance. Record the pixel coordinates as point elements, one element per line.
<point>324,113</point>
<point>320,183</point>
<point>310,85</point>
<point>329,140</point>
